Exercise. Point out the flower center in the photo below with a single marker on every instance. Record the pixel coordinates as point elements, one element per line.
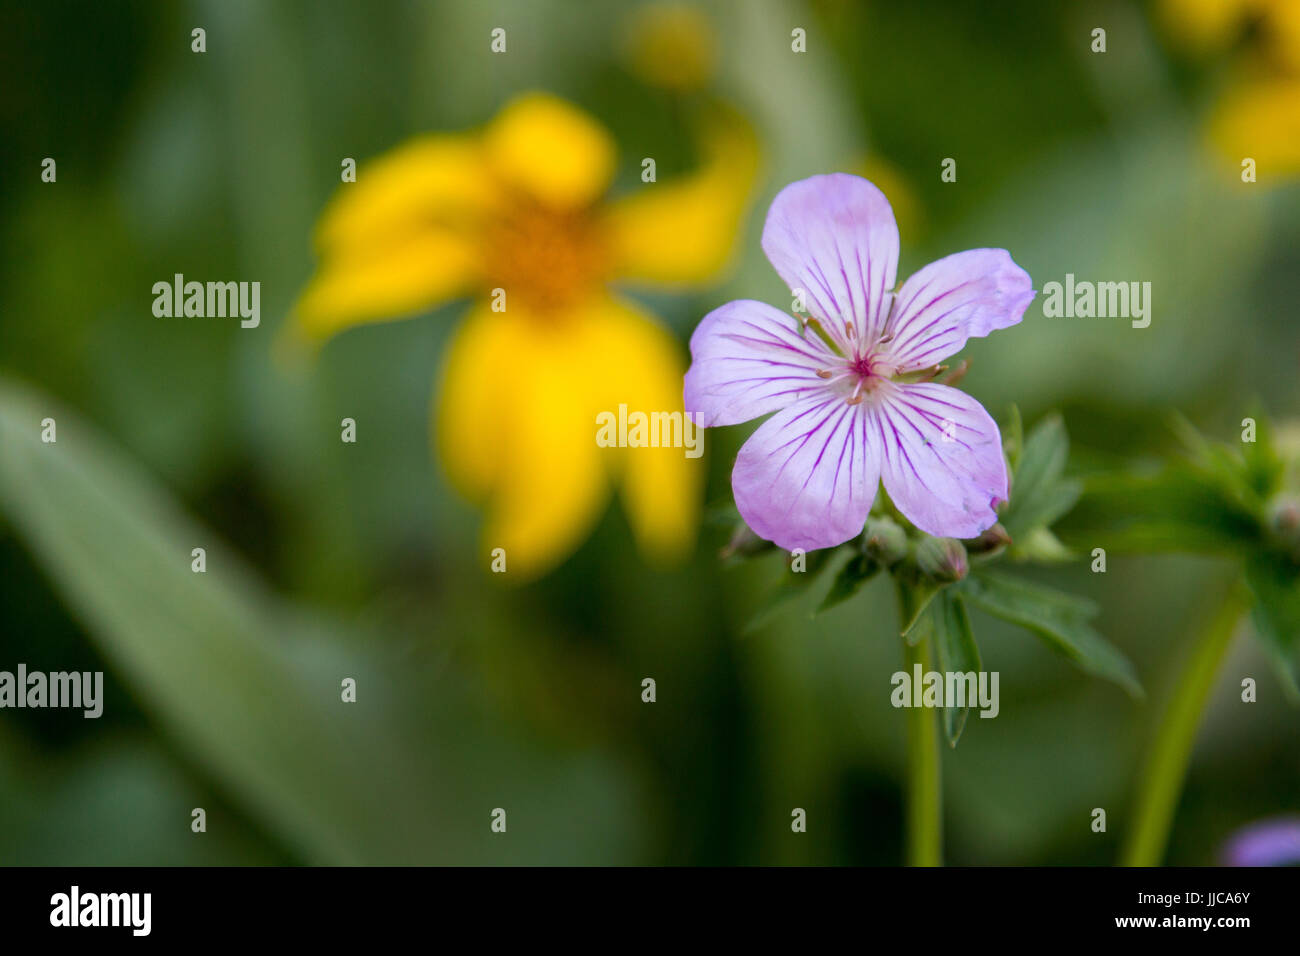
<point>860,377</point>
<point>547,258</point>
<point>864,366</point>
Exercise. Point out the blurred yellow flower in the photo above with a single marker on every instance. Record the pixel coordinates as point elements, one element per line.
<point>1211,25</point>
<point>1260,119</point>
<point>515,215</point>
<point>1258,114</point>
<point>671,45</point>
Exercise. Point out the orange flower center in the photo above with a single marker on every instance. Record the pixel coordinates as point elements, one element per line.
<point>548,258</point>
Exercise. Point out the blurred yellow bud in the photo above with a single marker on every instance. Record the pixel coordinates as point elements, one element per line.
<point>671,45</point>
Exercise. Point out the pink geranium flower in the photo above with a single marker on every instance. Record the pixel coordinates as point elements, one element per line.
<point>850,410</point>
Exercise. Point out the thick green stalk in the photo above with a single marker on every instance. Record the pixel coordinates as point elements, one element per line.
<point>1166,767</point>
<point>924,785</point>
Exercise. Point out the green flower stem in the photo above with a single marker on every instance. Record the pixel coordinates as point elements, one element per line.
<point>924,785</point>
<point>1166,767</point>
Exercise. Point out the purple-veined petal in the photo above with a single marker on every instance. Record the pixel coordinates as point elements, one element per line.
<point>807,477</point>
<point>747,359</point>
<point>966,294</point>
<point>941,458</point>
<point>834,237</point>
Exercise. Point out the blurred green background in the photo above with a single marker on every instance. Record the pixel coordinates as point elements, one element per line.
<point>328,560</point>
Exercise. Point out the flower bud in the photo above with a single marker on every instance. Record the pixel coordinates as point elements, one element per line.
<point>884,541</point>
<point>744,543</point>
<point>941,559</point>
<point>991,541</point>
<point>1284,523</point>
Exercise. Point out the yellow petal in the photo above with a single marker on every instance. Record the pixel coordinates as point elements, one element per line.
<point>1206,25</point>
<point>551,150</point>
<point>406,236</point>
<point>1283,30</point>
<point>432,180</point>
<point>641,366</point>
<point>516,425</point>
<point>516,430</point>
<point>1260,119</point>
<point>685,231</point>
<point>473,402</point>
<point>387,281</point>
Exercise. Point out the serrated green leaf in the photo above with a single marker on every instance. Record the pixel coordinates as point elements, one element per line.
<point>1245,472</point>
<point>1178,508</point>
<point>1195,445</point>
<point>1264,468</point>
<point>857,571</point>
<point>955,652</point>
<point>789,586</point>
<point>913,601</point>
<point>1037,497</point>
<point>1061,620</point>
<point>1275,587</point>
<point>1013,438</point>
<point>1055,502</point>
<point>1016,590</point>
